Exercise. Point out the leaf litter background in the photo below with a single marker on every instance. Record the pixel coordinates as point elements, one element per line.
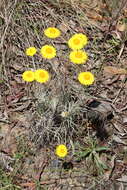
<point>31,124</point>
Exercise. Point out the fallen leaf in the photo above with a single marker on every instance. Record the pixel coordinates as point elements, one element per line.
<point>125,120</point>
<point>28,184</point>
<point>4,129</point>
<point>118,140</point>
<point>118,127</point>
<point>113,161</point>
<point>110,70</point>
<point>122,179</point>
<point>121,27</point>
<point>95,16</point>
<point>125,12</point>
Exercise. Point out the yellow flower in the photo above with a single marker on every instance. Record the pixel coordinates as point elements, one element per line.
<point>86,78</point>
<point>52,32</point>
<point>41,75</point>
<point>64,114</point>
<point>28,76</point>
<point>77,41</point>
<point>48,52</point>
<point>78,56</point>
<point>31,51</point>
<point>61,150</point>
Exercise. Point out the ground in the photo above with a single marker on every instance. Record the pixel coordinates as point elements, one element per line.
<point>90,120</point>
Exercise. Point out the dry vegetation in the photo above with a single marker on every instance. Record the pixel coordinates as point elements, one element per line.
<point>31,114</point>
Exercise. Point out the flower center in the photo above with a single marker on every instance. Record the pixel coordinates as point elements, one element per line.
<point>48,50</point>
<point>78,55</point>
<point>52,30</point>
<point>76,41</point>
<point>29,75</point>
<point>86,77</point>
<point>42,75</point>
<point>31,51</point>
<point>62,150</point>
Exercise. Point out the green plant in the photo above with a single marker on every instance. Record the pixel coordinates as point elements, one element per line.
<point>6,182</point>
<point>92,154</point>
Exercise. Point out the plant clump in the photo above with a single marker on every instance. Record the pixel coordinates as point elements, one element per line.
<point>62,119</point>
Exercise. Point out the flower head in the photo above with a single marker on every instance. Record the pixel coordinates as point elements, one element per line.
<point>48,52</point>
<point>52,32</point>
<point>41,75</point>
<point>31,51</point>
<point>28,76</point>
<point>77,41</point>
<point>86,78</point>
<point>65,114</point>
<point>61,150</point>
<point>78,56</point>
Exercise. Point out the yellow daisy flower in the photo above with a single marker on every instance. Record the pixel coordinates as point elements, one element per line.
<point>31,51</point>
<point>61,150</point>
<point>86,78</point>
<point>52,32</point>
<point>77,41</point>
<point>28,76</point>
<point>78,56</point>
<point>48,52</point>
<point>41,75</point>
